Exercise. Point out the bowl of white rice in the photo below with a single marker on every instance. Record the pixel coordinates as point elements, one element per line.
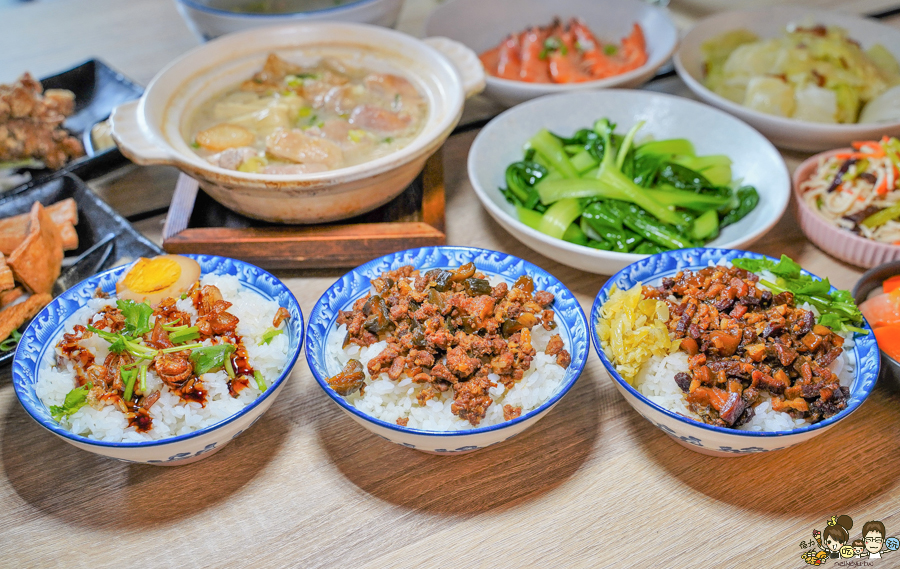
<point>432,427</point>
<point>182,431</point>
<point>656,396</point>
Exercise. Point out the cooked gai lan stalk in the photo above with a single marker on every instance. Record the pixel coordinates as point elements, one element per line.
<point>603,190</point>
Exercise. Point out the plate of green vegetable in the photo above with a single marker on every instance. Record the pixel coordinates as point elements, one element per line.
<point>597,180</point>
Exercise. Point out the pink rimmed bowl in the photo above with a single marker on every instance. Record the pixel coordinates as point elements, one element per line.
<point>839,243</point>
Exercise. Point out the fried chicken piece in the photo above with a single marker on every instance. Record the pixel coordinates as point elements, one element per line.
<point>14,316</point>
<point>8,296</point>
<point>6,276</point>
<point>30,123</point>
<point>64,214</point>
<point>37,261</point>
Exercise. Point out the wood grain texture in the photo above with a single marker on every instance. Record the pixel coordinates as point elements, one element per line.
<point>591,485</point>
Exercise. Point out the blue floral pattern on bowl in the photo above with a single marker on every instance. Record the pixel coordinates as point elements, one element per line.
<point>356,283</point>
<point>46,326</point>
<point>699,436</point>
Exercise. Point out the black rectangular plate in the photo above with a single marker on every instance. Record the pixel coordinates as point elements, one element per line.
<point>407,206</point>
<point>98,90</point>
<point>96,219</point>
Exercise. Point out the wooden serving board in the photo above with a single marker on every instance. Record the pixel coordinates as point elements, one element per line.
<point>198,224</point>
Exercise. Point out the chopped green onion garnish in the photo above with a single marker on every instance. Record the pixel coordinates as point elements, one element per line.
<point>129,374</point>
<point>260,380</point>
<point>229,369</point>
<point>269,334</point>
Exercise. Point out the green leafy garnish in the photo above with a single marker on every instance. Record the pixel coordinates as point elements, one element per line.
<point>11,342</point>
<point>260,381</point>
<point>75,400</point>
<point>610,49</point>
<point>837,310</point>
<point>269,334</point>
<point>206,358</point>
<point>137,316</point>
<point>122,343</point>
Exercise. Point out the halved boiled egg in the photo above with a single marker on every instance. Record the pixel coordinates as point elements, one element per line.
<point>154,279</point>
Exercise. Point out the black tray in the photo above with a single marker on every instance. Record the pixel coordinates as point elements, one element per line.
<point>98,224</point>
<point>98,90</point>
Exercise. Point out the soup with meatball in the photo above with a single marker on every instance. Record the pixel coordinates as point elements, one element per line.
<point>302,119</point>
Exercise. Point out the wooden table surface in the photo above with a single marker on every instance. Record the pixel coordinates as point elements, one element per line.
<point>591,485</point>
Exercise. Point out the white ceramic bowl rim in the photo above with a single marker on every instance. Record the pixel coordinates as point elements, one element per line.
<point>563,389</point>
<point>453,93</point>
<point>615,255</point>
<point>784,122</point>
<point>336,9</point>
<point>595,339</point>
<point>289,365</point>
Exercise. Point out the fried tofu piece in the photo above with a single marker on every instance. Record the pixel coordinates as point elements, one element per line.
<point>7,297</point>
<point>14,316</point>
<point>64,214</point>
<point>37,261</point>
<point>6,276</point>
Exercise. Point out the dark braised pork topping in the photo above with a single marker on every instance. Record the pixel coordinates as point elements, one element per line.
<point>742,340</point>
<point>449,329</point>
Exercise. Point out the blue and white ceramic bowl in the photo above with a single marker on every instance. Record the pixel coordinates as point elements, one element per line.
<point>39,338</point>
<point>356,283</point>
<point>698,436</point>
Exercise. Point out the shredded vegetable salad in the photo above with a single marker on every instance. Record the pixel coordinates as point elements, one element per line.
<point>860,190</point>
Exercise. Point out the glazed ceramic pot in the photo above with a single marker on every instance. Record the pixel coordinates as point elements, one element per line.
<point>356,284</point>
<point>694,434</point>
<point>154,129</point>
<point>38,345</point>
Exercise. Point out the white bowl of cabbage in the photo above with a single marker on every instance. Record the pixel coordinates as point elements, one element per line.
<point>808,79</point>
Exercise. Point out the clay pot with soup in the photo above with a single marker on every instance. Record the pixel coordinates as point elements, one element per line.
<point>303,123</point>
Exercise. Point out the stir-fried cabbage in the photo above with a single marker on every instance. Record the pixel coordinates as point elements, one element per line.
<point>815,74</point>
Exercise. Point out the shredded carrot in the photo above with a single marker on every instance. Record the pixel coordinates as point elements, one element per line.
<point>883,186</point>
<point>869,149</point>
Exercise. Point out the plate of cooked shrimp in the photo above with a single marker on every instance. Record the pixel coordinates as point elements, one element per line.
<point>531,48</point>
